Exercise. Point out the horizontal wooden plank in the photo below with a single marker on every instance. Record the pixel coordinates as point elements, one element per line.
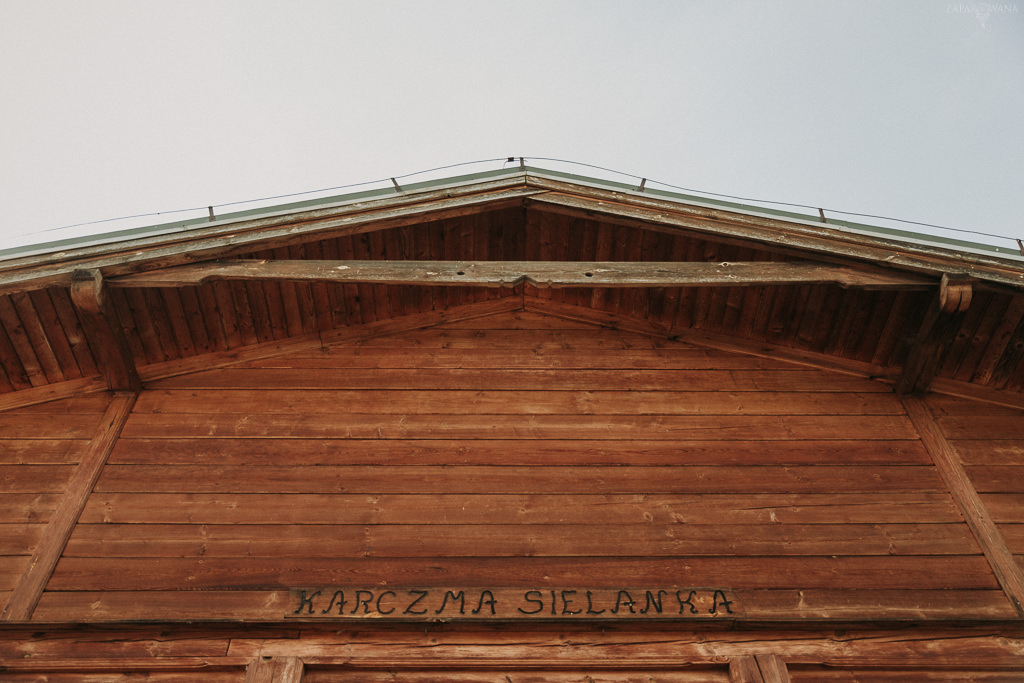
<point>911,507</point>
<point>513,452</point>
<point>456,402</point>
<point>34,478</point>
<point>494,646</point>
<point>587,338</point>
<point>855,674</point>
<point>519,320</point>
<point>205,670</point>
<point>677,674</point>
<point>508,540</point>
<point>495,379</point>
<point>446,426</point>
<point>43,426</point>
<point>990,452</point>
<point>955,406</point>
<point>997,478</point>
<point>1014,535</point>
<point>477,479</point>
<point>105,645</point>
<point>982,427</point>
<point>914,572</point>
<point>11,568</point>
<point>1004,507</point>
<point>93,404</point>
<point>41,451</point>
<point>683,358</point>
<point>19,539</point>
<point>28,507</point>
<point>899,605</point>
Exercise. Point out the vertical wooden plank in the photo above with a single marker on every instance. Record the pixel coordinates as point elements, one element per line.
<point>33,326</point>
<point>773,669</point>
<point>744,669</point>
<point>1000,340</point>
<point>274,670</point>
<point>30,585</point>
<point>61,299</point>
<point>53,331</point>
<point>947,461</point>
<point>217,324</point>
<point>162,324</point>
<point>9,359</point>
<point>102,326</point>
<point>177,319</point>
<point>335,292</point>
<point>24,351</point>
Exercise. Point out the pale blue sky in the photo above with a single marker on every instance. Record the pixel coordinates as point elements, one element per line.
<point>912,109</point>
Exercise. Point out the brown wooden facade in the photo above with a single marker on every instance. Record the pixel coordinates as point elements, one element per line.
<point>512,429</point>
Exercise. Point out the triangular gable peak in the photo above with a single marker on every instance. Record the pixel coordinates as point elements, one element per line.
<point>109,312</point>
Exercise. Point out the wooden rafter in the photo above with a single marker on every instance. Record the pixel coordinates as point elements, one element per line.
<point>537,273</point>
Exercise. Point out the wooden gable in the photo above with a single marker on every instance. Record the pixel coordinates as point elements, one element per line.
<point>335,479</point>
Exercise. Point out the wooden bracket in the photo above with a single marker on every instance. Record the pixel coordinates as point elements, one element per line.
<point>940,325</point>
<point>102,329</point>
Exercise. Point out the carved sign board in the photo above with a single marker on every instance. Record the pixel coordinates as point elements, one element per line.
<point>501,604</point>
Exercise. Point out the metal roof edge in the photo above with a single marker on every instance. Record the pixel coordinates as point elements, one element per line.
<point>842,229</point>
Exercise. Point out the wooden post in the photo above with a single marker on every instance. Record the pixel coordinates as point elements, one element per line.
<point>33,581</point>
<point>758,669</point>
<point>274,670</point>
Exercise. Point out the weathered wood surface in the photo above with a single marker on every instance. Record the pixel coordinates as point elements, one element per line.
<point>475,653</point>
<point>556,426</point>
<point>964,490</point>
<point>536,273</point>
<point>929,507</point>
<point>274,670</point>
<point>509,479</point>
<point>104,332</point>
<point>549,452</point>
<point>862,572</point>
<point>36,463</point>
<point>483,647</point>
<point>48,551</point>
<point>811,499</point>
<point>504,540</point>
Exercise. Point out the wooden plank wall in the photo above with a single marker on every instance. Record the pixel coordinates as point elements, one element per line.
<point>989,441</point>
<point>525,451</point>
<point>39,448</point>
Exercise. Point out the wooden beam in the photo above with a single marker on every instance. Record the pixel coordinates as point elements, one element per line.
<point>30,585</point>
<point>807,235</point>
<point>106,338</point>
<point>538,273</point>
<point>229,237</point>
<point>934,338</point>
<point>993,545</point>
<point>274,670</point>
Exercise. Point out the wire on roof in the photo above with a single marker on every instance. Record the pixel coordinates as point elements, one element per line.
<point>522,162</point>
